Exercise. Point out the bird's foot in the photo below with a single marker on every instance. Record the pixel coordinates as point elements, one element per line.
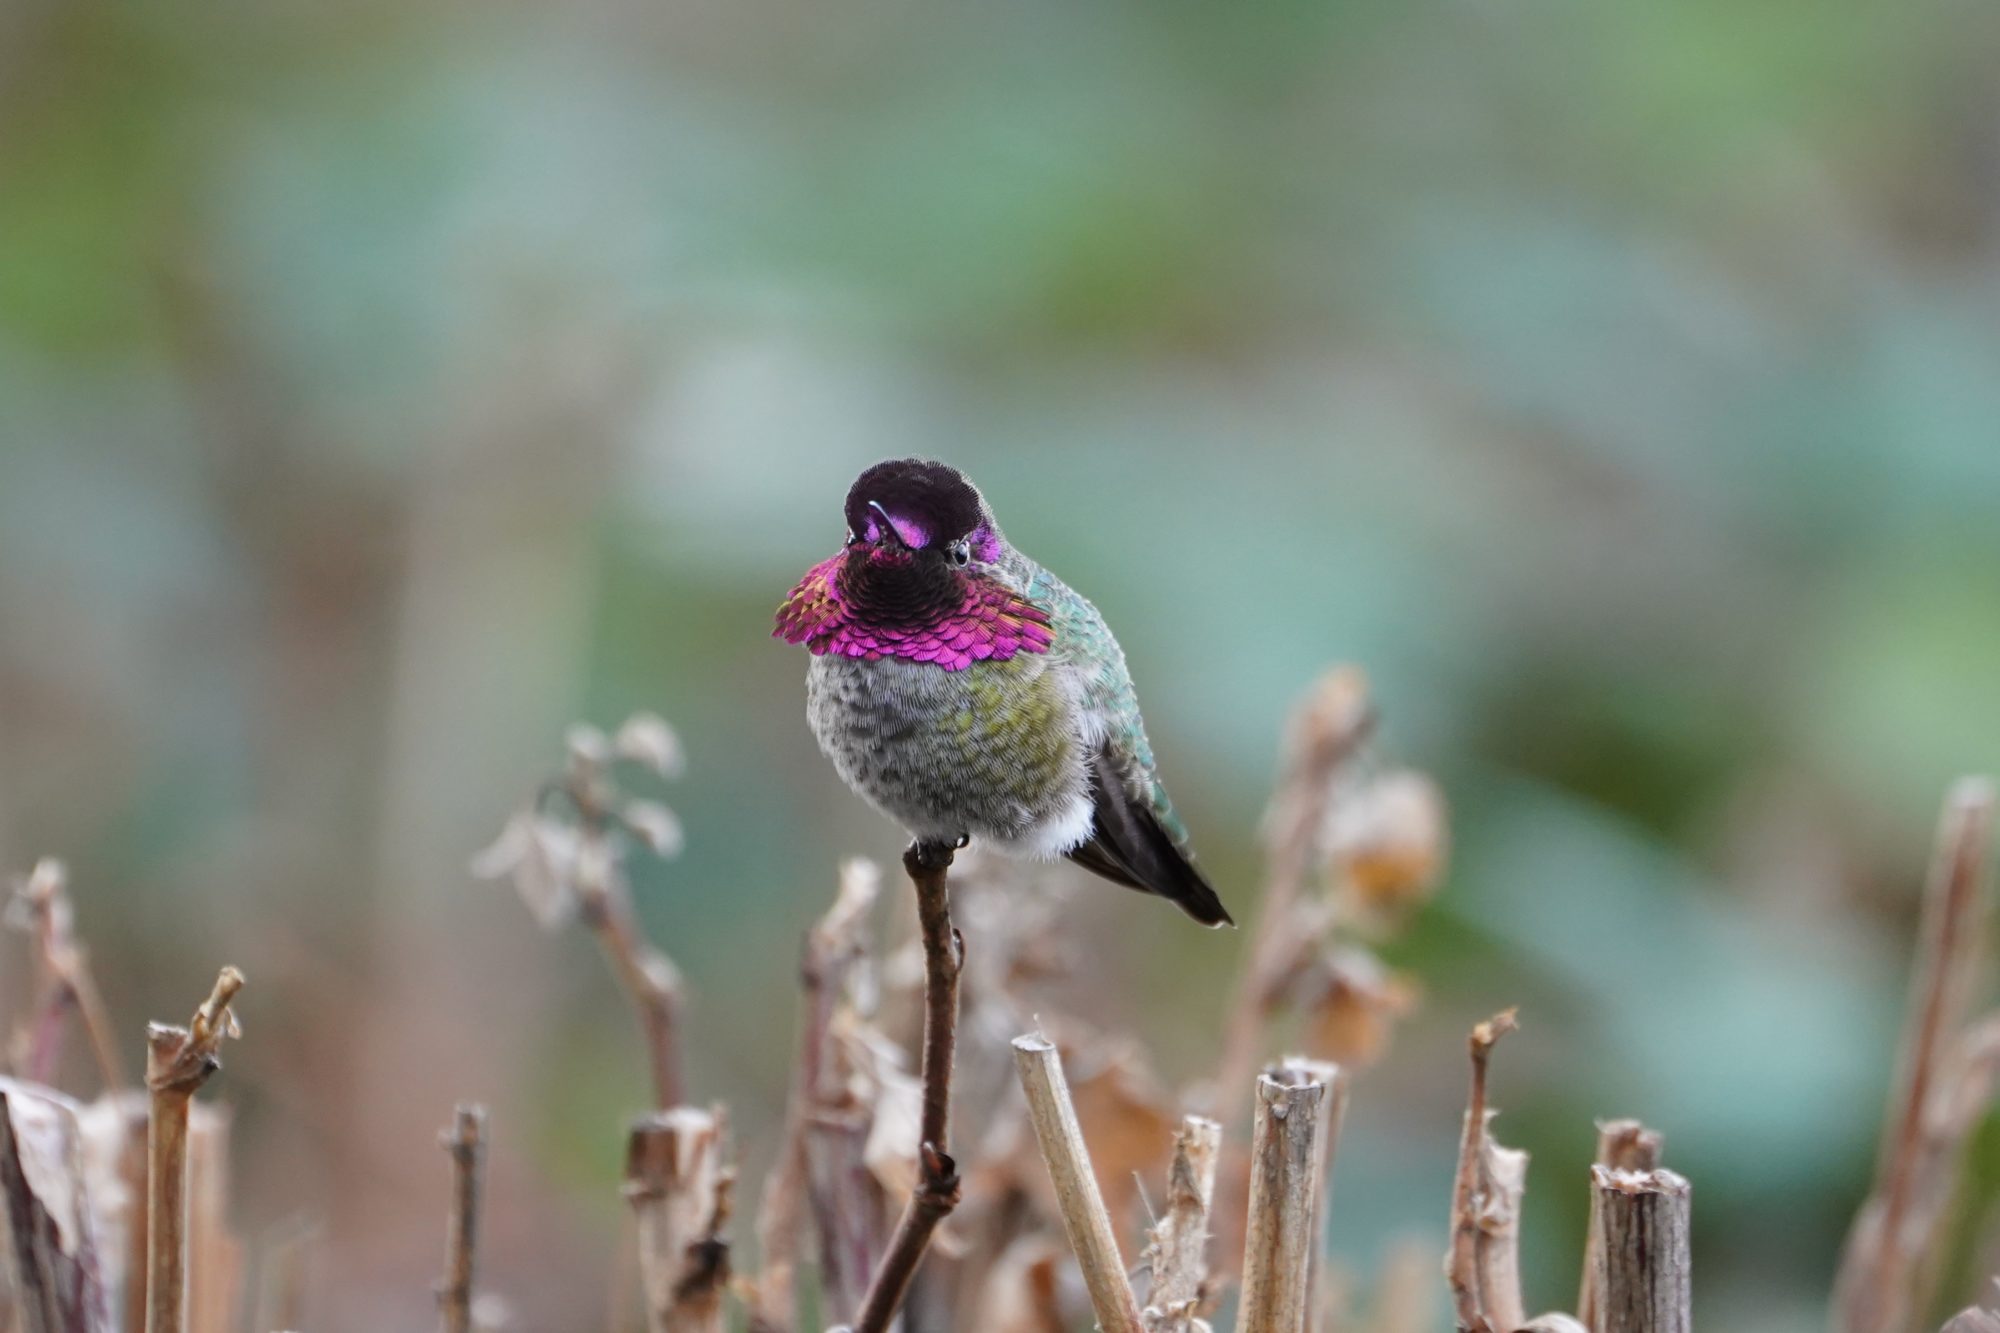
<point>926,857</point>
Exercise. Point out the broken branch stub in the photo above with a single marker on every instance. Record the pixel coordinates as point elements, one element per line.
<point>678,1185</point>
<point>1286,1151</point>
<point>1644,1273</point>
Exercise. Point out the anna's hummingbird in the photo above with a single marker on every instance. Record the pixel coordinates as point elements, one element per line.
<point>965,691</point>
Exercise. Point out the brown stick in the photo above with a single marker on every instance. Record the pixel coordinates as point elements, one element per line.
<point>832,947</point>
<point>1286,1152</point>
<point>1077,1197</point>
<point>48,1245</point>
<point>649,978</point>
<point>1645,1278</point>
<point>937,1188</point>
<point>1177,1251</point>
<point>465,1141</point>
<point>1623,1145</point>
<point>178,1062</point>
<point>679,1188</point>
<point>1464,1269</point>
<point>1873,1289</point>
<point>1326,730</point>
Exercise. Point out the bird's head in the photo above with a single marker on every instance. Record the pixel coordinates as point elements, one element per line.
<point>916,577</point>
<point>917,532</point>
<point>910,515</point>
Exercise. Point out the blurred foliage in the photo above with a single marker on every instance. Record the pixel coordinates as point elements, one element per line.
<point>382,386</point>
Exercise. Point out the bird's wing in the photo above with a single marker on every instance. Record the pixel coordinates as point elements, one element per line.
<point>1129,845</point>
<point>1136,838</point>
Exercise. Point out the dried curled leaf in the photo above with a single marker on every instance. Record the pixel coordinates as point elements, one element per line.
<point>647,740</point>
<point>1388,843</point>
<point>48,1226</point>
<point>588,747</point>
<point>37,893</point>
<point>655,825</point>
<point>1352,1002</point>
<point>543,859</point>
<point>1978,1318</point>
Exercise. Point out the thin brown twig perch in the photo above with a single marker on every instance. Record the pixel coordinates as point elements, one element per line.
<point>465,1141</point>
<point>1467,1265</point>
<point>936,1192</point>
<point>178,1061</point>
<point>1644,1274</point>
<point>1286,1158</point>
<point>1623,1145</point>
<point>1177,1250</point>
<point>1875,1287</point>
<point>1077,1196</point>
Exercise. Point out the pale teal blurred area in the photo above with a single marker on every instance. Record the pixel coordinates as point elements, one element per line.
<point>384,386</point>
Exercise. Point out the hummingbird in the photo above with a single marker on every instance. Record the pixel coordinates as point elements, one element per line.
<point>966,692</point>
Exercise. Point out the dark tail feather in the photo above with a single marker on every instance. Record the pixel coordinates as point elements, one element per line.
<point>1127,846</point>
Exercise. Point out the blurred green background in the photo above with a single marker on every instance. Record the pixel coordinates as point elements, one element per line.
<point>384,385</point>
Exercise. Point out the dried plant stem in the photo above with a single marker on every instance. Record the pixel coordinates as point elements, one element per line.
<point>649,977</point>
<point>1622,1145</point>
<point>215,1254</point>
<point>1286,1156</point>
<point>936,1193</point>
<point>679,1187</point>
<point>1503,1180</point>
<point>1326,731</point>
<point>1467,1267</point>
<point>832,947</point>
<point>1077,1197</point>
<point>1644,1274</point>
<point>65,980</point>
<point>1177,1252</point>
<point>178,1062</point>
<point>465,1141</point>
<point>50,1250</point>
<point>847,1213</point>
<point>1298,1071</point>
<point>1874,1290</point>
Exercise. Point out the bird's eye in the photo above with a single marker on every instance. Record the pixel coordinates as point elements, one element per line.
<point>961,553</point>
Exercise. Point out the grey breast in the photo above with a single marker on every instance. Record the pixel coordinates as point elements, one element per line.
<point>884,726</point>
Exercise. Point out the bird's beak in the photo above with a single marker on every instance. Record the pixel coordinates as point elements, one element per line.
<point>889,532</point>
